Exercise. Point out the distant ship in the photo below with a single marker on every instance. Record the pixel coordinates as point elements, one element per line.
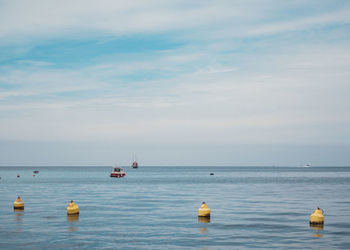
<point>134,163</point>
<point>307,166</point>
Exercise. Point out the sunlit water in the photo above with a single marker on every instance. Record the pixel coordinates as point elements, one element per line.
<point>156,208</point>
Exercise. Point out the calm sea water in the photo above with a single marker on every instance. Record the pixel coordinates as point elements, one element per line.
<point>156,208</point>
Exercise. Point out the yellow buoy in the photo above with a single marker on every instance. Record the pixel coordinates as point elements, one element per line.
<point>316,217</point>
<point>72,208</point>
<point>204,210</point>
<point>18,204</point>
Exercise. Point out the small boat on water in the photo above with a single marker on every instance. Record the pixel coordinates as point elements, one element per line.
<point>117,172</point>
<point>307,166</point>
<point>18,176</point>
<point>36,171</point>
<point>134,163</point>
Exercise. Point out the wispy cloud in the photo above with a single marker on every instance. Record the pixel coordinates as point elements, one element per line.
<point>338,17</point>
<point>93,19</point>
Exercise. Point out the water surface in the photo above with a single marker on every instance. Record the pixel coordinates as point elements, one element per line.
<point>156,208</point>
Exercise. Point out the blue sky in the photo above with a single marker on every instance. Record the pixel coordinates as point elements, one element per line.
<point>178,82</point>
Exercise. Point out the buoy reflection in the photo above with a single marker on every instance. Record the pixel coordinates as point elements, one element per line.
<point>73,217</point>
<point>18,214</point>
<point>318,229</point>
<point>203,219</point>
<point>19,219</point>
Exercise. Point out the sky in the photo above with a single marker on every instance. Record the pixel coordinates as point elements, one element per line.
<point>229,83</point>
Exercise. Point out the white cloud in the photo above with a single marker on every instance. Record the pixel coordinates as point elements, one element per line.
<point>335,17</point>
<point>215,70</point>
<point>33,63</point>
<point>37,19</point>
<point>296,98</point>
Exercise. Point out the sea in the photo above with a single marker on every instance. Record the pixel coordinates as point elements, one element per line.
<point>156,207</point>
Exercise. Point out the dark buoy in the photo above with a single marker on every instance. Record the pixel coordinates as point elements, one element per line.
<point>211,173</point>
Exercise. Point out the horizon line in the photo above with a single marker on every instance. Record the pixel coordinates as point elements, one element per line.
<point>298,166</point>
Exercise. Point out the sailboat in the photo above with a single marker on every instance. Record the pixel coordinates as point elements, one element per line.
<point>134,163</point>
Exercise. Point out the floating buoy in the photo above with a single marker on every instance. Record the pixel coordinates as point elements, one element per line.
<point>204,210</point>
<point>18,204</point>
<point>18,176</point>
<point>72,208</point>
<point>211,173</point>
<point>317,217</point>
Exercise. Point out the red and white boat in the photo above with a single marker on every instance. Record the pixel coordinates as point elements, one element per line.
<point>117,172</point>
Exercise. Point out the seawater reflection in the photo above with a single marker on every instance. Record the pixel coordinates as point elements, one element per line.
<point>203,221</point>
<point>255,207</point>
<point>318,230</point>
<point>19,219</point>
<point>72,222</point>
<point>18,214</point>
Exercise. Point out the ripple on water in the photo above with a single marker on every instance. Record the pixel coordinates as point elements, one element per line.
<point>154,208</point>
